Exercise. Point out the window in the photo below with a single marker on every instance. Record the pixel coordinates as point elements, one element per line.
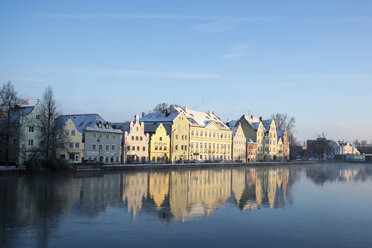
<point>94,147</point>
<point>100,147</point>
<point>132,137</point>
<point>113,147</point>
<point>156,148</point>
<point>72,132</point>
<point>138,148</point>
<point>30,129</point>
<point>67,132</point>
<point>71,145</point>
<point>176,147</point>
<point>30,142</point>
<point>94,135</point>
<point>133,148</point>
<point>141,138</point>
<point>128,148</point>
<point>37,117</point>
<point>160,148</point>
<point>160,138</point>
<point>176,136</point>
<point>113,136</point>
<point>136,137</point>
<point>144,148</point>
<point>107,147</point>
<point>77,145</point>
<point>107,136</point>
<point>165,148</point>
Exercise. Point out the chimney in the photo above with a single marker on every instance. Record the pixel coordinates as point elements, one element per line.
<point>185,108</point>
<point>251,116</point>
<point>260,118</point>
<point>209,112</point>
<point>143,114</point>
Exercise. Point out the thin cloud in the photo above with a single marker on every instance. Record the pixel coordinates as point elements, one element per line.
<point>236,51</point>
<point>121,73</point>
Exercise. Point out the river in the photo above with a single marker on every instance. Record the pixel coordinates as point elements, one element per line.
<point>314,205</point>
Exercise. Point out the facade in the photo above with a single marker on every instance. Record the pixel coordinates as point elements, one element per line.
<point>254,130</point>
<point>102,143</point>
<point>270,140</point>
<point>341,148</point>
<point>210,138</point>
<point>178,128</point>
<point>135,142</point>
<point>160,145</point>
<point>280,155</point>
<point>71,145</point>
<point>283,135</point>
<point>251,150</point>
<point>239,140</point>
<point>25,134</point>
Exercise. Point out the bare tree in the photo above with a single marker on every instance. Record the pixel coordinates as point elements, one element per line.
<point>284,121</point>
<point>161,107</point>
<point>9,104</point>
<point>364,143</point>
<point>47,126</point>
<point>356,142</point>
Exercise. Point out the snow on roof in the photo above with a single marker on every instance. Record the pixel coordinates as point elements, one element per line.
<point>21,111</point>
<point>234,129</point>
<point>90,122</point>
<point>232,123</point>
<point>249,140</point>
<point>251,119</point>
<point>255,125</point>
<point>267,124</point>
<point>159,117</point>
<point>123,126</point>
<point>199,118</point>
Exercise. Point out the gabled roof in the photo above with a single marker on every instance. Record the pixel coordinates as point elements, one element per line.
<point>267,124</point>
<point>123,126</point>
<point>232,123</point>
<point>89,122</point>
<point>159,117</point>
<point>16,113</point>
<point>199,118</point>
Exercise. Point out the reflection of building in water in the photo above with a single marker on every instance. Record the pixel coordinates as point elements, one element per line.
<point>135,189</point>
<point>348,174</point>
<point>271,189</point>
<point>238,184</point>
<point>195,193</point>
<point>259,188</point>
<point>158,187</point>
<point>178,193</point>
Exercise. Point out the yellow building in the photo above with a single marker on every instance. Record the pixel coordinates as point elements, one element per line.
<point>160,145</point>
<point>270,140</point>
<point>239,147</point>
<point>71,144</point>
<point>210,138</point>
<point>178,128</point>
<point>280,153</point>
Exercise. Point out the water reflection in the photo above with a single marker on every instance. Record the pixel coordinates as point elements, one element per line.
<point>36,204</point>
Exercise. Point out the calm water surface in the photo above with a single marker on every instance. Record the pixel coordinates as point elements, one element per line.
<point>328,205</point>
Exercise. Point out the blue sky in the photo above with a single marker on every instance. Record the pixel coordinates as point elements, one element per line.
<point>310,59</point>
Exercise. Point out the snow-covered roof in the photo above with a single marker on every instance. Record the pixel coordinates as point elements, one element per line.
<point>199,118</point>
<point>250,141</point>
<point>159,117</point>
<point>255,125</point>
<point>251,118</point>
<point>267,124</point>
<point>123,126</point>
<point>90,122</point>
<point>232,123</point>
<point>16,113</point>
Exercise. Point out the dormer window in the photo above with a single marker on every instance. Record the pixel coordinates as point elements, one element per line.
<point>100,124</point>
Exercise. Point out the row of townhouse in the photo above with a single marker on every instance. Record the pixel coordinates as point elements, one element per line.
<point>177,134</point>
<point>323,148</point>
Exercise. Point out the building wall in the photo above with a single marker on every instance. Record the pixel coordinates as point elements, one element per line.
<point>270,142</point>
<point>251,152</point>
<point>280,154</point>
<point>180,132</point>
<point>29,139</point>
<point>239,148</point>
<point>72,146</point>
<point>136,143</point>
<point>95,146</point>
<point>210,143</point>
<point>160,145</point>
